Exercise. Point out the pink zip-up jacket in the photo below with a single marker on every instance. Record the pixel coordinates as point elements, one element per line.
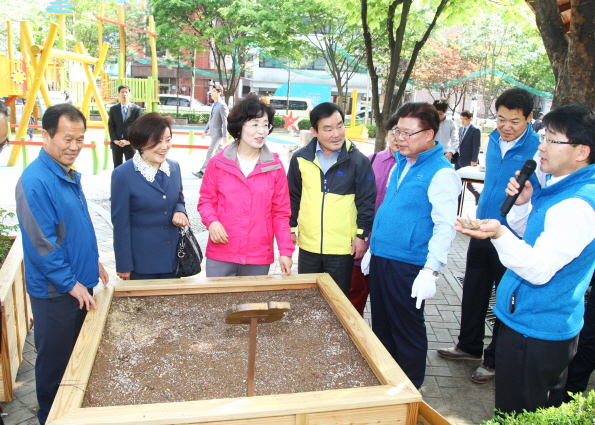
<point>252,209</point>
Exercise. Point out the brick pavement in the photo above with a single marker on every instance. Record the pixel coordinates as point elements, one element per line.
<point>447,386</point>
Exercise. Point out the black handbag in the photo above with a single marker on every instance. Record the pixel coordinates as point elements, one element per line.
<point>189,254</point>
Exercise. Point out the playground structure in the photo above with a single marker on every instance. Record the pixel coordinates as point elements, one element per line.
<point>44,67</point>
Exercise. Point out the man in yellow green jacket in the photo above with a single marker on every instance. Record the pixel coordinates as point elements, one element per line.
<point>333,193</point>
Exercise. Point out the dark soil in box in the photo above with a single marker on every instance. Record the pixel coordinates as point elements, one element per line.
<point>178,348</point>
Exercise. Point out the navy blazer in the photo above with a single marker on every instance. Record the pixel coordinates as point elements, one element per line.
<point>469,146</point>
<point>145,239</point>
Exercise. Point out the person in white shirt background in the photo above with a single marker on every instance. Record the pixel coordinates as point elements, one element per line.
<point>447,133</point>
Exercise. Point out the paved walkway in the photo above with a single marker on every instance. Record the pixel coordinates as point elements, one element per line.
<point>447,387</point>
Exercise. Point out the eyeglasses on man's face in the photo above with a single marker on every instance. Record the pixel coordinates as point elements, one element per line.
<point>543,139</point>
<point>404,134</point>
<point>255,126</point>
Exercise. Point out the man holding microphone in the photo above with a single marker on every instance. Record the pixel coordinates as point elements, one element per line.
<point>540,297</point>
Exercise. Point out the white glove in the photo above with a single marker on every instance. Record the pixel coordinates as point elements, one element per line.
<point>366,263</point>
<point>424,286</point>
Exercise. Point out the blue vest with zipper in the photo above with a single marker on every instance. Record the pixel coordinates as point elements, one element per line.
<point>403,224</point>
<point>552,311</point>
<point>499,171</point>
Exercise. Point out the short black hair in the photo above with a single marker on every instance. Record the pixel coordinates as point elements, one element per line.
<point>146,131</point>
<point>218,88</point>
<point>123,86</point>
<point>52,116</point>
<point>392,121</point>
<point>576,122</point>
<point>3,109</point>
<point>441,105</point>
<point>248,108</point>
<point>324,110</point>
<point>467,114</point>
<point>516,98</point>
<point>423,111</point>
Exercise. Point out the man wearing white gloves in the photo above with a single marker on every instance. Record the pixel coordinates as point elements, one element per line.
<point>412,233</point>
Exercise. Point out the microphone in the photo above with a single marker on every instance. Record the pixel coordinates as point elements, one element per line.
<point>526,171</point>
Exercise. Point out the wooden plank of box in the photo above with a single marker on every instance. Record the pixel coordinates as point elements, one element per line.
<point>394,402</point>
<point>16,318</point>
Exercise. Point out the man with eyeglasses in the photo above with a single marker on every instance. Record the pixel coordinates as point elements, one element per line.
<point>3,126</point>
<point>333,193</point>
<point>216,127</point>
<point>540,297</point>
<point>412,233</point>
<point>509,146</point>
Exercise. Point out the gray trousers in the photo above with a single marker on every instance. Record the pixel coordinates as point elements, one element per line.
<point>223,269</point>
<point>215,146</point>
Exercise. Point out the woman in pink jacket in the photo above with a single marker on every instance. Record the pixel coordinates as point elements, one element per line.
<point>244,199</point>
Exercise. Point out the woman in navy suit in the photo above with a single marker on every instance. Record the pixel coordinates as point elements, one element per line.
<point>148,204</point>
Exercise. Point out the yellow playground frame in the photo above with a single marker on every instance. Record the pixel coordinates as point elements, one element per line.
<point>28,77</point>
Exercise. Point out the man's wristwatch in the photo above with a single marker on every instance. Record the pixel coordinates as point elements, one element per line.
<point>434,272</point>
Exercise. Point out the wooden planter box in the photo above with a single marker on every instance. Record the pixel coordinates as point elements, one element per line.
<point>395,401</point>
<point>16,318</point>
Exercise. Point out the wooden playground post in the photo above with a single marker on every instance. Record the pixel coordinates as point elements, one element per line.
<point>95,155</point>
<point>25,154</point>
<point>62,44</point>
<point>100,26</point>
<point>353,107</point>
<point>88,91</point>
<point>154,66</point>
<point>31,60</point>
<point>9,38</point>
<point>91,79</point>
<point>33,90</point>
<point>122,55</point>
<point>148,105</point>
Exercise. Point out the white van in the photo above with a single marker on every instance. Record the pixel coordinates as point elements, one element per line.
<point>300,106</point>
<point>169,103</point>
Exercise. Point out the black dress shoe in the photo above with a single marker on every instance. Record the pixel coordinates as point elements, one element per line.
<point>199,174</point>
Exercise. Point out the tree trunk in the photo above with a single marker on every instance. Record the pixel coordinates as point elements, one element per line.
<point>571,55</point>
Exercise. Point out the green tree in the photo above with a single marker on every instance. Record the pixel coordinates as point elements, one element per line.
<point>440,63</point>
<point>395,32</point>
<point>338,41</point>
<point>508,44</point>
<point>385,23</point>
<point>15,12</point>
<point>231,29</point>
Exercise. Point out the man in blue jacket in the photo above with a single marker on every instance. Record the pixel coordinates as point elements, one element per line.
<point>60,248</point>
<point>509,146</point>
<point>540,298</point>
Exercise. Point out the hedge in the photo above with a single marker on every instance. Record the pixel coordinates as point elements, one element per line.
<point>580,411</point>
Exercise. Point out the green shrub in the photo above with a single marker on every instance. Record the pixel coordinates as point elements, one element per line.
<point>371,130</point>
<point>5,241</point>
<point>580,411</point>
<point>278,121</point>
<point>304,124</point>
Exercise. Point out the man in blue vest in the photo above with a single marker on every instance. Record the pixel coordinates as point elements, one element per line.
<point>540,297</point>
<point>509,146</point>
<point>411,237</point>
